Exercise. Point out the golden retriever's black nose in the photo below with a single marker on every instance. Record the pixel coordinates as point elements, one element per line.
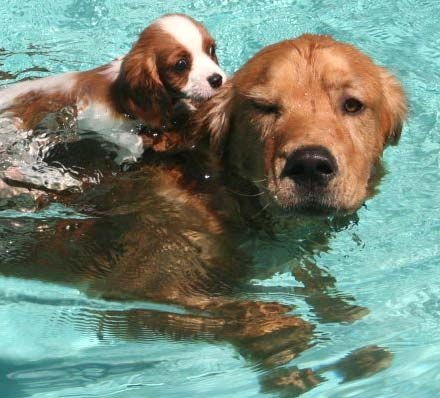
<point>310,166</point>
<point>215,80</point>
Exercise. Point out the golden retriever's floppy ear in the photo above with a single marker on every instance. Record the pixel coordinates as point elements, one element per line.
<point>214,117</point>
<point>395,108</point>
<point>138,90</point>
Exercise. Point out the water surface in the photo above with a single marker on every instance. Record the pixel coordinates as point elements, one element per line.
<point>388,260</point>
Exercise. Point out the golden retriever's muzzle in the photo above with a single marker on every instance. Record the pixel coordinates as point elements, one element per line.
<point>310,167</point>
<point>305,179</point>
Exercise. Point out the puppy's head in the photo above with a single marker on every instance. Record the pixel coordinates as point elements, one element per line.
<point>307,120</point>
<point>174,58</point>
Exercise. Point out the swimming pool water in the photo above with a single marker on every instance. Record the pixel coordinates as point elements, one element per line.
<point>389,261</point>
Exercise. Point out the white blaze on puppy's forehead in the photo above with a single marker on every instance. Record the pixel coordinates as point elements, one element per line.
<point>184,31</point>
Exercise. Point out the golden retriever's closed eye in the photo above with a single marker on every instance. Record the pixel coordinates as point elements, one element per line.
<point>307,120</point>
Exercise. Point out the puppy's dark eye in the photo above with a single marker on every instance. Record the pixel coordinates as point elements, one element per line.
<point>266,108</point>
<point>211,51</point>
<point>181,65</point>
<point>352,105</point>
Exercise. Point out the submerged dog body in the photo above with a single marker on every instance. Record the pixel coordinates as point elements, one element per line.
<point>285,137</point>
<point>173,61</point>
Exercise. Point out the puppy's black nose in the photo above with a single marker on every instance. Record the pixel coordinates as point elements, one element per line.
<point>215,80</point>
<point>311,166</point>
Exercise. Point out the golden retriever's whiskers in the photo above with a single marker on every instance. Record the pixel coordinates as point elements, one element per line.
<point>262,180</point>
<point>261,210</point>
<point>244,194</point>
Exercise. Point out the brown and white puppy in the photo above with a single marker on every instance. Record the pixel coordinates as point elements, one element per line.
<point>306,120</point>
<point>173,60</point>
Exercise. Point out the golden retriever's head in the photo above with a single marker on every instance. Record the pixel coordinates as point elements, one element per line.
<point>307,120</point>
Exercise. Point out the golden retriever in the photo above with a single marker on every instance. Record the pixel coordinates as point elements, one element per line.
<point>301,126</point>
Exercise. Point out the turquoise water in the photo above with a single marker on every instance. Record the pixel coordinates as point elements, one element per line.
<point>389,261</point>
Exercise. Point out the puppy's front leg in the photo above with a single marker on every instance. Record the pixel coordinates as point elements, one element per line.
<point>177,134</point>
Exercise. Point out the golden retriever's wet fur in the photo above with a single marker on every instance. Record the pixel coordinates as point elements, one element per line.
<point>284,137</point>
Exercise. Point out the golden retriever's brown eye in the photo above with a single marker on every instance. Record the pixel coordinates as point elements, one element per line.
<point>181,65</point>
<point>353,105</point>
<point>266,108</point>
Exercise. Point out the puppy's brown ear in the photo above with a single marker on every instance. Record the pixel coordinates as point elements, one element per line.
<point>139,91</point>
<point>395,108</point>
<point>140,70</point>
<point>215,116</point>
